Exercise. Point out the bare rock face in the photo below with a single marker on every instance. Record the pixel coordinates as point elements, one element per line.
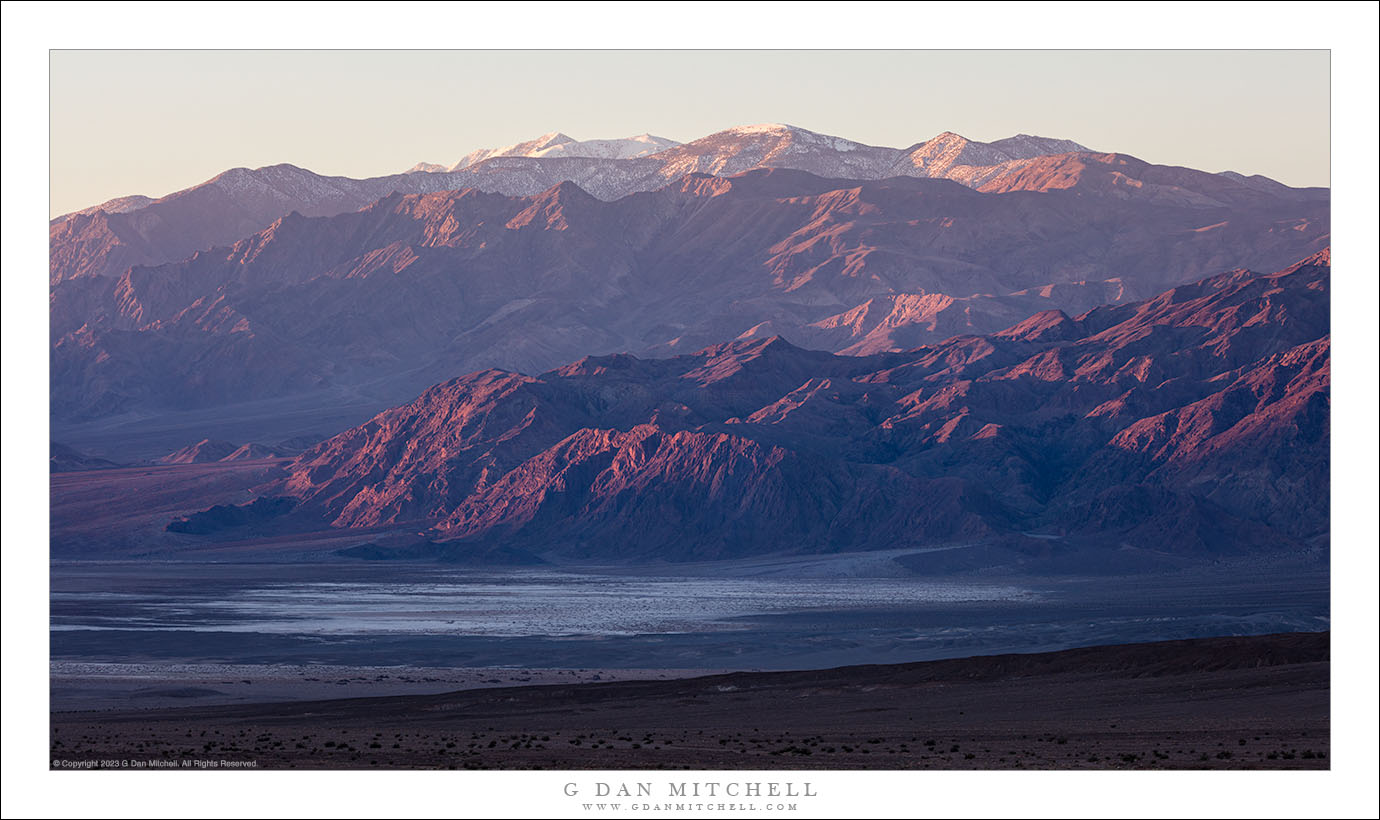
<point>204,451</point>
<point>1194,422</point>
<point>413,289</point>
<point>211,450</point>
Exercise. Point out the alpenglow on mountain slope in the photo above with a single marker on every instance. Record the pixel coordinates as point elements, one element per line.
<point>414,289</point>
<point>1195,422</point>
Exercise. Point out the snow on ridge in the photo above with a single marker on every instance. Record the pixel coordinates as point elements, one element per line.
<point>623,148</point>
<point>956,157</point>
<point>119,205</point>
<point>1029,146</point>
<point>760,128</point>
<point>556,144</point>
<point>796,133</point>
<point>517,149</point>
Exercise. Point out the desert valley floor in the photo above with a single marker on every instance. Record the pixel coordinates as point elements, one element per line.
<point>1259,702</point>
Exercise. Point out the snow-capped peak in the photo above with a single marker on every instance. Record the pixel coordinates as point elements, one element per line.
<point>425,168</point>
<point>556,144</point>
<point>1029,146</point>
<point>762,128</point>
<point>517,149</point>
<point>946,153</point>
<point>624,148</point>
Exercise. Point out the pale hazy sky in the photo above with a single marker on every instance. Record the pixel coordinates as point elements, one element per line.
<point>152,122</point>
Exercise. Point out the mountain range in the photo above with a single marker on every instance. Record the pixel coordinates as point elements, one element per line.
<point>373,290</point>
<point>136,230</point>
<point>1195,422</point>
<point>764,341</point>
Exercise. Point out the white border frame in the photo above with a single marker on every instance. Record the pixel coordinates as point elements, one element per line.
<point>1348,29</point>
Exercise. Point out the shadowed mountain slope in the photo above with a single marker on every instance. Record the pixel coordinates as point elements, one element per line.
<point>1196,422</point>
<point>380,302</point>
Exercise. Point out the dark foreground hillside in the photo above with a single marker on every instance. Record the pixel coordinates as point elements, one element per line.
<point>1217,703</point>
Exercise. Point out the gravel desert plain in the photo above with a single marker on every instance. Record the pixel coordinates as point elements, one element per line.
<point>1226,703</point>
